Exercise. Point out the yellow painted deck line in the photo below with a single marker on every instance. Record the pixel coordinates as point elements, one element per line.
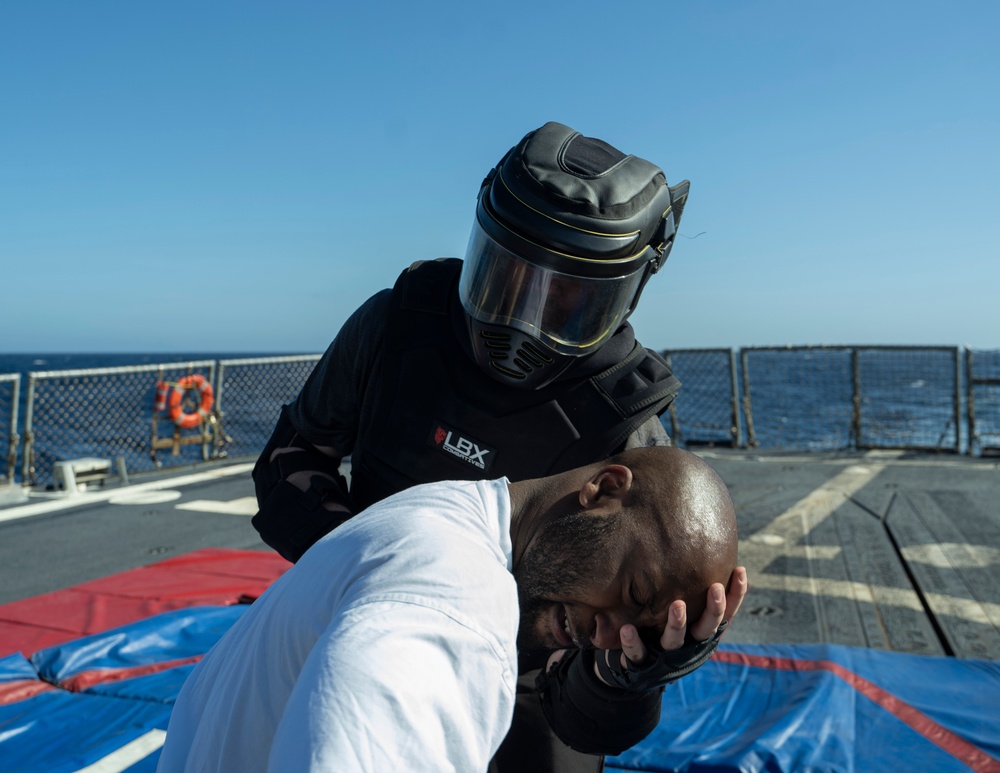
<point>982,612</point>
<point>820,503</point>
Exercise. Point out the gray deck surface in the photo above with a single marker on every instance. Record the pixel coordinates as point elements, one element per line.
<point>882,550</point>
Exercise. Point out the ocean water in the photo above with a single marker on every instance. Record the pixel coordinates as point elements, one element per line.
<point>25,363</point>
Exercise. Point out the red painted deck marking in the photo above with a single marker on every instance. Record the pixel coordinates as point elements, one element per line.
<point>22,689</point>
<point>86,679</point>
<point>953,744</point>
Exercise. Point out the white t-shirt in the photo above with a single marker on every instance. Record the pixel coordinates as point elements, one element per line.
<point>390,646</point>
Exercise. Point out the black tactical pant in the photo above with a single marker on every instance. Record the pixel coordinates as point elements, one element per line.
<point>531,746</point>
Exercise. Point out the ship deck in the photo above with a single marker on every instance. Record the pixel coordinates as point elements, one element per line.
<point>884,550</point>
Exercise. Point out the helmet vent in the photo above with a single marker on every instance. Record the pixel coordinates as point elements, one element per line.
<point>497,344</point>
<point>534,356</point>
<point>507,371</point>
<point>512,355</point>
<point>529,359</point>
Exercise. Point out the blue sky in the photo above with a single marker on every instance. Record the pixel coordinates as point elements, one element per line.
<point>239,176</point>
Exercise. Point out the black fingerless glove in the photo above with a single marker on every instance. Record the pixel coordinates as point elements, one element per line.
<point>588,715</point>
<point>659,668</point>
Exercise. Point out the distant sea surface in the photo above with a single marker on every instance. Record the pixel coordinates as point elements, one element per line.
<point>26,363</point>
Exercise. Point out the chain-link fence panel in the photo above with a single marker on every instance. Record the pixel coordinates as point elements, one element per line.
<point>10,391</point>
<point>798,397</point>
<point>909,397</point>
<point>983,385</point>
<point>111,413</point>
<point>251,393</point>
<point>706,410</point>
<point>810,398</point>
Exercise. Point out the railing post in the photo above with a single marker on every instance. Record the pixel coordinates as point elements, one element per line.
<point>855,398</point>
<point>29,438</point>
<point>958,401</point>
<point>970,400</point>
<point>13,438</point>
<point>218,374</point>
<point>747,405</point>
<point>734,385</point>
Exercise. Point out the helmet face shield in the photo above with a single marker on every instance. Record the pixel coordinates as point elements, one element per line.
<point>571,314</point>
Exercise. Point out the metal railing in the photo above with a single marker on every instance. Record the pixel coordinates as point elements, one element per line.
<point>252,392</point>
<point>105,412</point>
<point>10,396</point>
<point>838,398</point>
<point>982,369</point>
<point>707,411</point>
<point>796,397</point>
<point>799,397</point>
<point>109,413</point>
<point>909,397</point>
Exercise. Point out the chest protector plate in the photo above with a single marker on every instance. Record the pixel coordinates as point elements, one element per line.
<point>435,416</point>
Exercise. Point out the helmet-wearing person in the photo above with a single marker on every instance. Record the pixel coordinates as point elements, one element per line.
<point>516,362</point>
<point>568,230</point>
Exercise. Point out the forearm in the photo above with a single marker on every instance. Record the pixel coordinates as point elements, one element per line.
<point>300,493</point>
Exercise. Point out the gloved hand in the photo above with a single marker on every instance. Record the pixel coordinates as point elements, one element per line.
<point>658,667</point>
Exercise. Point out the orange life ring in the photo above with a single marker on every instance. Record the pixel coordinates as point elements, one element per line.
<point>188,420</point>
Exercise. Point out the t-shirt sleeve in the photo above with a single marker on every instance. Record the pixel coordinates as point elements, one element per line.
<point>327,411</point>
<point>394,685</point>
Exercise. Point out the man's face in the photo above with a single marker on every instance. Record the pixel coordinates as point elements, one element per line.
<point>585,576</point>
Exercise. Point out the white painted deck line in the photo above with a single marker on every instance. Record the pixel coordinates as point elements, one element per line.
<point>241,506</point>
<point>91,497</point>
<point>129,754</point>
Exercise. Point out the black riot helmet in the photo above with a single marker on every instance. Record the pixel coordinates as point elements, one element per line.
<point>568,230</point>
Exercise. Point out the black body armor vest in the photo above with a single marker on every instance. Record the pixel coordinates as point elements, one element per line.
<point>436,416</point>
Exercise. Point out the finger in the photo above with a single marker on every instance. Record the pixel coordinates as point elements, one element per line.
<point>710,619</point>
<point>632,646</point>
<point>554,658</point>
<point>673,632</point>
<point>738,585</point>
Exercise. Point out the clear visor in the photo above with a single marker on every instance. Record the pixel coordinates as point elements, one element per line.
<point>573,315</point>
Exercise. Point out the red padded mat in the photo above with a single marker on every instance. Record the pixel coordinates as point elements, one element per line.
<point>216,576</point>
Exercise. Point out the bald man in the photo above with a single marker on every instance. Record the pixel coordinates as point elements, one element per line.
<point>392,644</point>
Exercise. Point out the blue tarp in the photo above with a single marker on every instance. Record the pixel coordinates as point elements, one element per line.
<point>104,658</point>
<point>752,708</point>
<point>121,712</point>
<point>825,708</point>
